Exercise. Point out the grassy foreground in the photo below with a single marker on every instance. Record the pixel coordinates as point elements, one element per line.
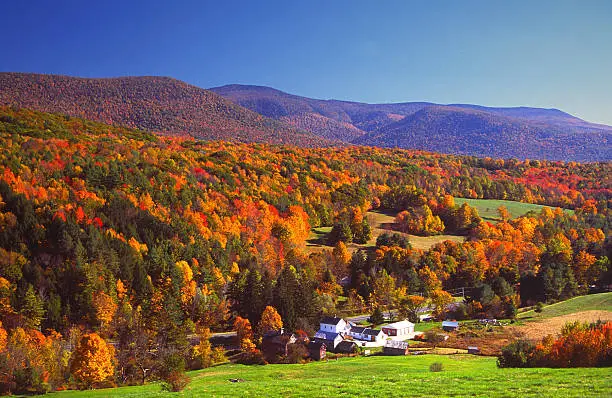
<point>487,208</point>
<point>600,301</point>
<point>463,375</point>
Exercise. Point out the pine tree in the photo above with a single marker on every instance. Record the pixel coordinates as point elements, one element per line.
<point>32,308</point>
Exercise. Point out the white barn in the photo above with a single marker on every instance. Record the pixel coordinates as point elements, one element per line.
<point>399,330</point>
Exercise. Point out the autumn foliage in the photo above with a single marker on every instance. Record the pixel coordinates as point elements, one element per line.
<point>93,360</point>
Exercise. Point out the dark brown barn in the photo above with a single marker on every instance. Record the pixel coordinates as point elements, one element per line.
<point>274,345</point>
<point>317,350</point>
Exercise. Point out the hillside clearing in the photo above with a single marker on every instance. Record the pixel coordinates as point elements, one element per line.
<point>595,302</point>
<point>380,223</point>
<point>487,208</point>
<point>463,375</point>
<point>552,326</point>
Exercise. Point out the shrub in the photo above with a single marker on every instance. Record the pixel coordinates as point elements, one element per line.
<point>539,307</point>
<point>175,381</point>
<point>253,357</point>
<point>296,353</point>
<point>434,337</point>
<point>436,367</point>
<point>518,354</point>
<point>218,355</point>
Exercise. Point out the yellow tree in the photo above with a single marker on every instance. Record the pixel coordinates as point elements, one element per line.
<point>503,213</point>
<point>411,306</point>
<point>93,360</point>
<point>243,329</point>
<point>3,338</point>
<point>440,299</point>
<point>270,321</point>
<point>105,308</point>
<point>341,258</point>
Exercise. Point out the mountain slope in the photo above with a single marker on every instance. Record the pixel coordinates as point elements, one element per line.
<point>470,131</point>
<point>332,119</point>
<point>521,132</point>
<point>157,104</point>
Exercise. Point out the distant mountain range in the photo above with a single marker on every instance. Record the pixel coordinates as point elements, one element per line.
<point>158,104</point>
<point>520,132</point>
<point>262,114</point>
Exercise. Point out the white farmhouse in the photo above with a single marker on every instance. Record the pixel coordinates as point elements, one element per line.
<point>334,325</point>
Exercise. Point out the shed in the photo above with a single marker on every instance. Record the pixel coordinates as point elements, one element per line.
<point>346,347</point>
<point>450,326</point>
<point>317,350</point>
<point>473,350</point>
<point>393,347</point>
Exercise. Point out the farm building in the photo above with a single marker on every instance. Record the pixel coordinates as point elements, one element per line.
<point>473,350</point>
<point>400,329</point>
<point>346,347</point>
<point>334,325</point>
<point>367,334</point>
<point>393,347</point>
<point>450,326</point>
<point>317,350</point>
<point>330,339</point>
<point>274,344</point>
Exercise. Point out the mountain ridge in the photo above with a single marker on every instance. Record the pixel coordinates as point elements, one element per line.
<point>160,104</point>
<point>263,114</point>
<point>522,132</point>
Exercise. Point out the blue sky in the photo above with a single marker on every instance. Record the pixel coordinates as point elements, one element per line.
<point>498,53</point>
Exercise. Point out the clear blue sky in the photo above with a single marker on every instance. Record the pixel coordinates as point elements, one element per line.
<point>500,53</point>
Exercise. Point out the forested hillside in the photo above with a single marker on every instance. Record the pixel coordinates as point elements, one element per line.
<point>156,104</point>
<point>145,239</point>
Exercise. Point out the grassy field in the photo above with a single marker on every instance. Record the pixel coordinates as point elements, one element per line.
<point>591,302</point>
<point>380,223</point>
<point>487,208</point>
<point>463,376</point>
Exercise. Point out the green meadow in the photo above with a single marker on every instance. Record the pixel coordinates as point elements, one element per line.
<point>462,376</point>
<point>591,302</point>
<point>487,208</point>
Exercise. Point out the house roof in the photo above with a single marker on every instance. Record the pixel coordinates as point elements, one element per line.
<point>316,345</point>
<point>331,320</point>
<point>326,335</point>
<point>452,324</point>
<point>357,329</point>
<point>400,325</point>
<point>396,344</point>
<point>372,332</point>
<point>279,338</point>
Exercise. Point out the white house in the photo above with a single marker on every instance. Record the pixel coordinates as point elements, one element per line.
<point>367,334</point>
<point>334,325</point>
<point>330,339</point>
<point>399,330</point>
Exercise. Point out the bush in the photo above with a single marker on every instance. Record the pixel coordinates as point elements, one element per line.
<point>539,307</point>
<point>518,354</point>
<point>218,355</point>
<point>434,337</point>
<point>436,367</point>
<point>254,357</point>
<point>175,381</point>
<point>296,353</point>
